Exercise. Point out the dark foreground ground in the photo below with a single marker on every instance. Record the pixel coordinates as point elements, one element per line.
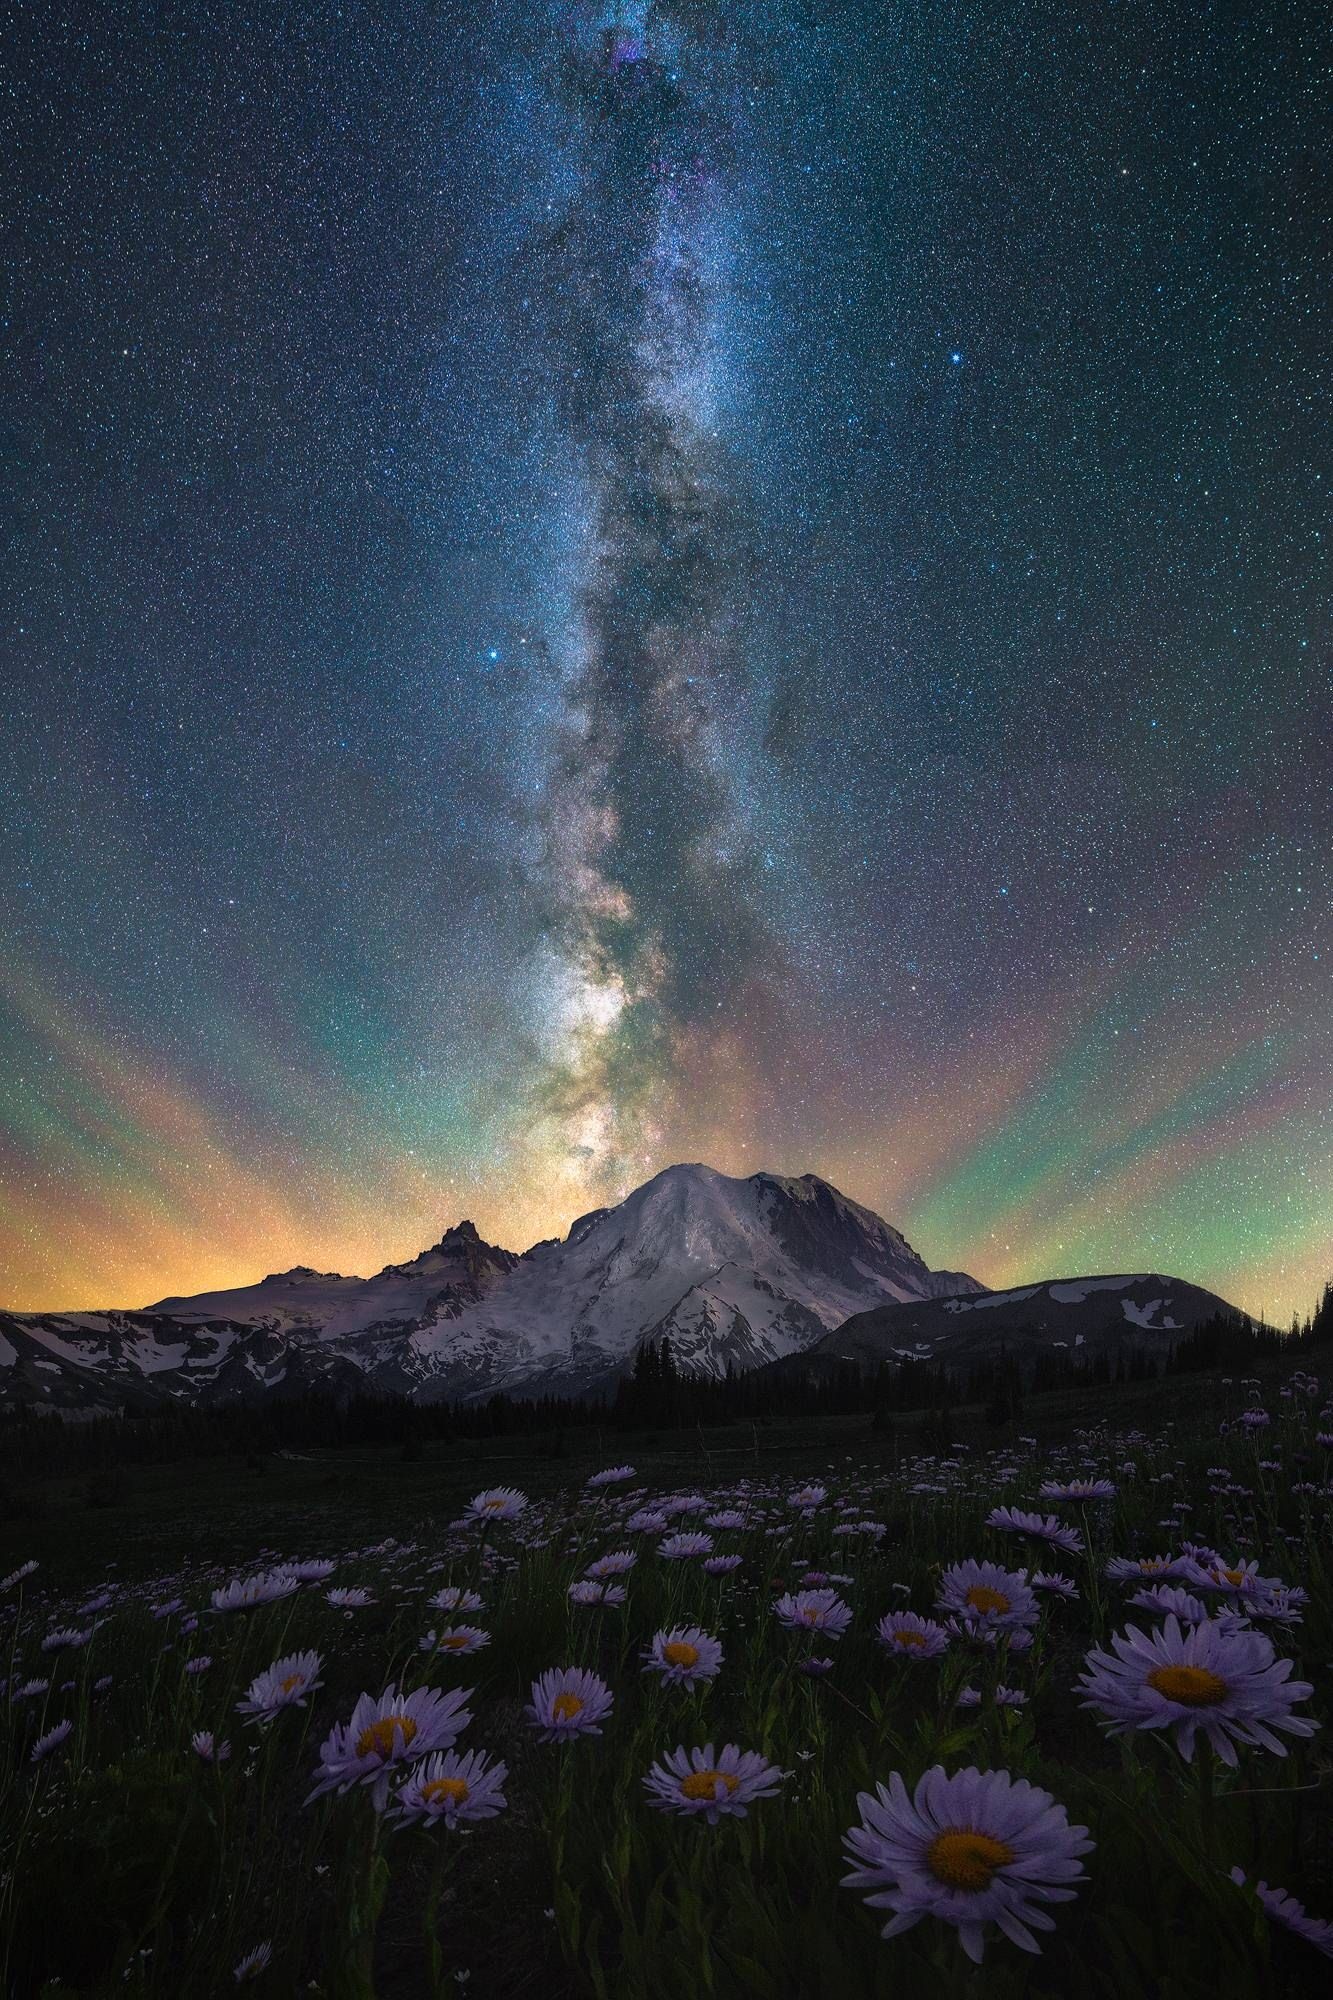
<point>139,1520</point>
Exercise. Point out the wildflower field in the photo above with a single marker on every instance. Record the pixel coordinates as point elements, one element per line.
<point>1039,1716</point>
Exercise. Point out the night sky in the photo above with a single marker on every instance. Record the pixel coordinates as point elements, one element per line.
<point>592,586</point>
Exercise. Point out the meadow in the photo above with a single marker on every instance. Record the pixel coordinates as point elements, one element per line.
<point>355,1725</point>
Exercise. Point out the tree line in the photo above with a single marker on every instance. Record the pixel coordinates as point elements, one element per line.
<point>655,1395</point>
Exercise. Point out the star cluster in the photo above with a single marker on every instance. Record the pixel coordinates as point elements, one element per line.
<point>590,585</point>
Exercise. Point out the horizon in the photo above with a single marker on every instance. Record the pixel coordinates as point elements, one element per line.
<point>244,1279</point>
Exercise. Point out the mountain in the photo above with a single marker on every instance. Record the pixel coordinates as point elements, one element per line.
<point>739,1271</point>
<point>746,1273</point>
<point>1078,1316</point>
<point>730,1270</point>
<point>459,1271</point>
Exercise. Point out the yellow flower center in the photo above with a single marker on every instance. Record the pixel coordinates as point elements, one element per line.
<point>1151,1564</point>
<point>679,1653</point>
<point>709,1784</point>
<point>962,1858</point>
<point>1235,1577</point>
<point>982,1598</point>
<point>566,1707</point>
<point>376,1740</point>
<point>1196,1687</point>
<point>454,1789</point>
<point>909,1638</point>
<point>454,1642</point>
<point>493,1506</point>
<point>292,1681</point>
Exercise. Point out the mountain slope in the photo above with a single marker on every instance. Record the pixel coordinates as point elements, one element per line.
<point>1078,1316</point>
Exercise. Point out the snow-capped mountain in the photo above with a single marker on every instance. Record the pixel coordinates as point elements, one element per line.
<point>731,1270</point>
<point>739,1271</point>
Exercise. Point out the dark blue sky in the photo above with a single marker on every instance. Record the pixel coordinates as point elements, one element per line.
<point>592,586</point>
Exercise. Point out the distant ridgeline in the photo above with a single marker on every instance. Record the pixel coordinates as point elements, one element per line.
<point>655,1395</point>
<point>696,1274</point>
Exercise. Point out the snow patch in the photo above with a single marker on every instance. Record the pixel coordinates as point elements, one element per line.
<point>989,1299</point>
<point>84,1354</point>
<point>1075,1293</point>
<point>223,1339</point>
<point>150,1357</point>
<point>1146,1315</point>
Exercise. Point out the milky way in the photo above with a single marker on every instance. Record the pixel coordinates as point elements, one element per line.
<point>587,586</point>
<point>655,922</point>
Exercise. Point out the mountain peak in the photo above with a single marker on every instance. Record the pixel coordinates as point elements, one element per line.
<point>461,1245</point>
<point>459,1232</point>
